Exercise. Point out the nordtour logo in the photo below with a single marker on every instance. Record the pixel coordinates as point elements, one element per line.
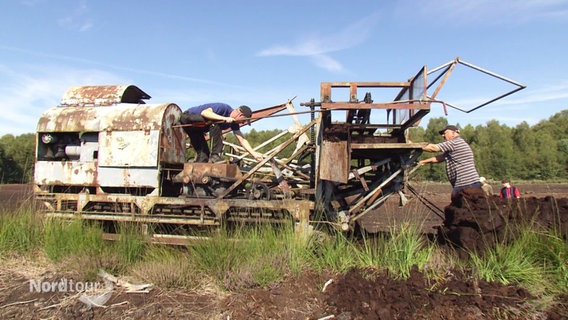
<point>93,294</point>
<point>64,285</point>
<point>90,292</point>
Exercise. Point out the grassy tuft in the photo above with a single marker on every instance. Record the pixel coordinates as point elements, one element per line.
<point>336,253</point>
<point>131,244</point>
<point>63,238</point>
<point>168,268</point>
<point>247,257</point>
<point>20,231</point>
<point>399,251</point>
<point>535,260</point>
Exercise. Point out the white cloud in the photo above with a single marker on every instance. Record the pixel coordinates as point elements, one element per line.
<point>317,46</point>
<point>531,105</point>
<point>77,19</point>
<point>118,68</point>
<point>86,26</point>
<point>327,63</point>
<point>26,92</point>
<point>543,94</point>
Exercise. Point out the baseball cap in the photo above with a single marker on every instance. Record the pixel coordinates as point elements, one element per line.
<point>449,127</point>
<point>246,111</point>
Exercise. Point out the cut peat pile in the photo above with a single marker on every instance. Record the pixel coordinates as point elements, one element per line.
<point>474,221</point>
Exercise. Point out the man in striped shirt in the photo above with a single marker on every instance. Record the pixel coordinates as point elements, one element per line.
<point>456,152</point>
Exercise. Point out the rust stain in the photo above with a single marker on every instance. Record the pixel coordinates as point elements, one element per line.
<point>103,95</point>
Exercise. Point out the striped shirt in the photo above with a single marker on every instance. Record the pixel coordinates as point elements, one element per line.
<point>460,166</point>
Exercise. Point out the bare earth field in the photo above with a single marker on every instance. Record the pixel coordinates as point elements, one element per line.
<point>358,294</point>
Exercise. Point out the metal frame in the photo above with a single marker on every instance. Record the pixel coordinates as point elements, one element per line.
<point>450,66</point>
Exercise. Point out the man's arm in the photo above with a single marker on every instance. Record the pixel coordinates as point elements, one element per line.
<point>245,144</point>
<point>210,115</point>
<point>430,147</point>
<point>436,159</point>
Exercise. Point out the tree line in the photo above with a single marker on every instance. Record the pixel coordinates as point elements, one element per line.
<point>523,152</point>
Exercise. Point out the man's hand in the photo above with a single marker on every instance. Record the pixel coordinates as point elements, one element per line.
<point>436,159</point>
<point>229,120</point>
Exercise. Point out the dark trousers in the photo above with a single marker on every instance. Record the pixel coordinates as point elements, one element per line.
<point>456,190</point>
<point>196,133</point>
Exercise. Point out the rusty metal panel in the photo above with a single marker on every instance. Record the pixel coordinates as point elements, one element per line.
<point>65,173</point>
<point>86,174</point>
<point>133,117</point>
<point>70,119</point>
<point>93,119</point>
<point>334,161</point>
<point>103,95</point>
<point>201,172</point>
<point>128,177</point>
<point>172,139</point>
<point>326,86</point>
<point>325,92</point>
<point>159,118</point>
<point>128,148</point>
<point>404,107</point>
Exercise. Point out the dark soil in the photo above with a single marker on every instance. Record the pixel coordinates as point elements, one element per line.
<point>357,294</point>
<point>474,222</point>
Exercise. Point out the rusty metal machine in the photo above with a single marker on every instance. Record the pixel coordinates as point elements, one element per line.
<point>104,154</point>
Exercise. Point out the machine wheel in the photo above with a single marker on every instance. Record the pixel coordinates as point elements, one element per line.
<point>258,191</point>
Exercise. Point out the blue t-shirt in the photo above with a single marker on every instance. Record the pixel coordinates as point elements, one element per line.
<point>219,108</point>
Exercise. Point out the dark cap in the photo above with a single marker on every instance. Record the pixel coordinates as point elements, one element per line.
<point>449,127</point>
<point>247,112</point>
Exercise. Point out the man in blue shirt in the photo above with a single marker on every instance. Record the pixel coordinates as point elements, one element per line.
<point>456,152</point>
<point>215,118</point>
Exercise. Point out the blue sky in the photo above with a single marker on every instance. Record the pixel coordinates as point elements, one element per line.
<point>262,53</point>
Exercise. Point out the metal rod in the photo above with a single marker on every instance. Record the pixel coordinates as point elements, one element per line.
<point>377,189</point>
<point>383,199</point>
<point>492,74</point>
<point>266,159</point>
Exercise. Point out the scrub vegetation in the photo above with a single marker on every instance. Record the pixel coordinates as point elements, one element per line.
<point>262,256</point>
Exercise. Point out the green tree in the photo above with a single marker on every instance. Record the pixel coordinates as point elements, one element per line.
<point>255,138</point>
<point>548,165</point>
<point>559,130</point>
<point>416,134</point>
<point>563,153</point>
<point>526,144</point>
<point>9,171</point>
<point>479,145</point>
<point>468,133</point>
<point>21,152</point>
<point>501,150</point>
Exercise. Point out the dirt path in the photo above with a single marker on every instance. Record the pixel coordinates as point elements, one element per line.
<point>359,294</point>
